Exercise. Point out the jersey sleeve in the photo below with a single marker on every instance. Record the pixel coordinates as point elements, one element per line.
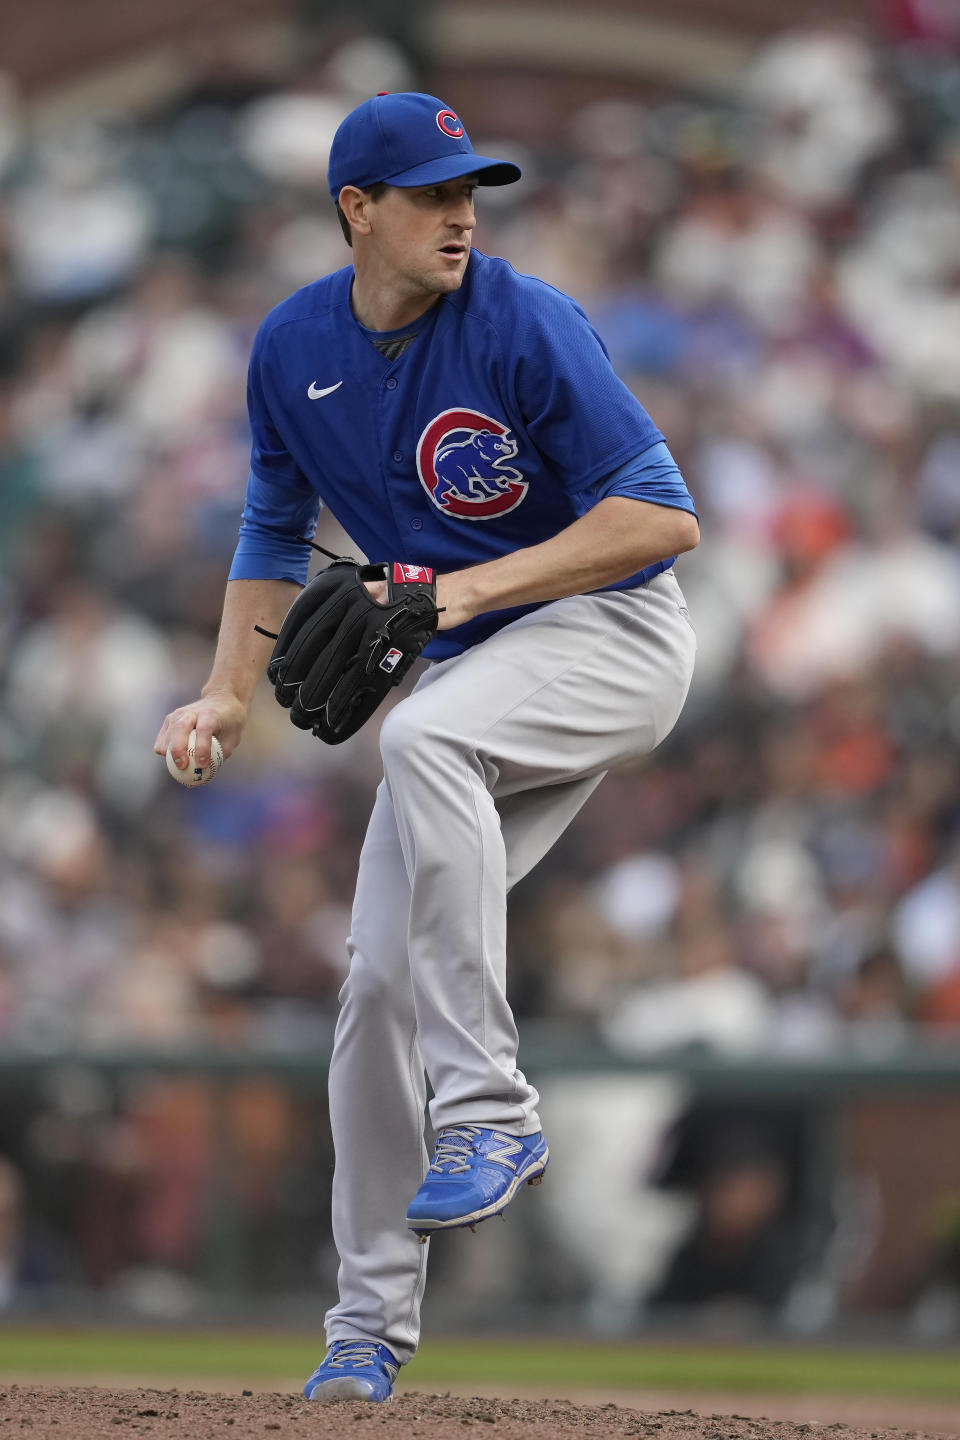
<point>281,505</point>
<point>269,457</point>
<point>577,411</point>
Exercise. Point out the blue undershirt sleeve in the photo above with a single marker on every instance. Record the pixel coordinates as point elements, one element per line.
<point>652,476</point>
<point>275,514</point>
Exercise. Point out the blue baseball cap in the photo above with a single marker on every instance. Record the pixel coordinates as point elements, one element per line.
<point>408,139</point>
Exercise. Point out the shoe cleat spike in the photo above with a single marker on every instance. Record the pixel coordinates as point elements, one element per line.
<point>537,1180</point>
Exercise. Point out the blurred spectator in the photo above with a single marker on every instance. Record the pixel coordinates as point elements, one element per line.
<point>707,1001</point>
<point>28,1262</point>
<point>744,1165</point>
<point>78,227</point>
<point>11,1231</point>
<point>820,112</point>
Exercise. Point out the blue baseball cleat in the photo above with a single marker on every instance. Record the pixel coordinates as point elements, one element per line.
<point>475,1174</point>
<point>354,1370</point>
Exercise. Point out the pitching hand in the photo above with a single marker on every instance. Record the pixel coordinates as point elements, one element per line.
<point>217,713</point>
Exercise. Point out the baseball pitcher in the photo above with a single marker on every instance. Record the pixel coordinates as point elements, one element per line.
<point>521,513</point>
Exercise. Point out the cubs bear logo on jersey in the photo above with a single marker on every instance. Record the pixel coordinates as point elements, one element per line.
<point>462,460</point>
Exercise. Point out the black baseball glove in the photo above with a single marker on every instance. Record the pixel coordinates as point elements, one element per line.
<point>339,650</point>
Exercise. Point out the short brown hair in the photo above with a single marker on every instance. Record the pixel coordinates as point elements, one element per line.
<point>375,191</point>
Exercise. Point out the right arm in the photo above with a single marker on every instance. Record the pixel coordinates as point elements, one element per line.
<point>268,572</point>
<point>240,660</point>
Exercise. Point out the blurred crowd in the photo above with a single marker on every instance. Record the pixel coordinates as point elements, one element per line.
<point>777,279</point>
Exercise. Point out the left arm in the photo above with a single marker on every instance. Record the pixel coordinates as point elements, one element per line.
<point>634,508</point>
<point>618,536</point>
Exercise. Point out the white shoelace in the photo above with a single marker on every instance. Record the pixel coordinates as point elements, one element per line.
<point>353,1352</point>
<point>455,1149</point>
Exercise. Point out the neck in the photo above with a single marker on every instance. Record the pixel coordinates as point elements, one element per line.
<point>381,298</point>
<point>381,307</point>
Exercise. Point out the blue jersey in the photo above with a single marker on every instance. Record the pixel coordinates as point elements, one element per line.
<point>498,425</point>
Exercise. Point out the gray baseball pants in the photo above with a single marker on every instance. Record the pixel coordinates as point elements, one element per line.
<point>485,764</point>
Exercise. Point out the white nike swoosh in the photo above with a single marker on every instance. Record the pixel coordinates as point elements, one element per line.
<point>316,394</point>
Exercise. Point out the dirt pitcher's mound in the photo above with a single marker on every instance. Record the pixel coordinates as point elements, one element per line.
<point>82,1414</point>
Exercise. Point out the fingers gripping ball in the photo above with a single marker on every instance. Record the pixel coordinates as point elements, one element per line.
<point>340,651</point>
<point>192,773</point>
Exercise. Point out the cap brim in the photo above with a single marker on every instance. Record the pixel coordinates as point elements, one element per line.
<point>451,167</point>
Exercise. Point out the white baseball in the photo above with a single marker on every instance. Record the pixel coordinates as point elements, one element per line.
<point>192,773</point>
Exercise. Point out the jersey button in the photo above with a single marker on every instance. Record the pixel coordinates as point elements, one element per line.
<point>416,523</point>
<point>392,383</point>
<point>398,456</point>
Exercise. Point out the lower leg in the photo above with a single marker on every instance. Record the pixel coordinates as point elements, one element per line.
<point>454,850</point>
<point>377,1100</point>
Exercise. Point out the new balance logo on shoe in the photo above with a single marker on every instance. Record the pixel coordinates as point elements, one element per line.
<point>507,1148</point>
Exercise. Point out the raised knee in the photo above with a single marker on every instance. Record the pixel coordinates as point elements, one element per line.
<point>410,735</point>
<point>369,985</point>
<point>396,734</point>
